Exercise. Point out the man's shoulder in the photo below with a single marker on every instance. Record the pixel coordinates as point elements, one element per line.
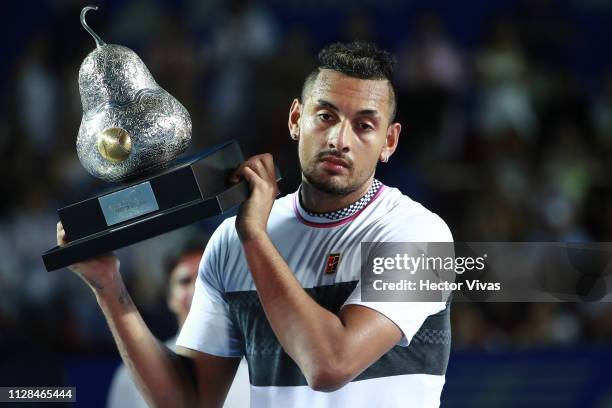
<point>224,231</point>
<point>402,217</point>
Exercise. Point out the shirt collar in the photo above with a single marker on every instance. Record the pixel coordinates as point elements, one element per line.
<point>339,216</point>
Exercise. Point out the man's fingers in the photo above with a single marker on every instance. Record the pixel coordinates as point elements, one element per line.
<point>268,163</point>
<point>262,165</point>
<point>61,239</point>
<point>249,175</point>
<point>259,168</point>
<point>61,234</point>
<point>237,174</point>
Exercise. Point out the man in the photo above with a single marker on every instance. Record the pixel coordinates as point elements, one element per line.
<point>181,273</point>
<point>279,283</point>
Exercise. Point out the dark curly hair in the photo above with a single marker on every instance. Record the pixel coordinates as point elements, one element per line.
<point>363,60</point>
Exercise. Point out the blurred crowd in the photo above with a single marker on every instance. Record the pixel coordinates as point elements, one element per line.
<point>503,136</point>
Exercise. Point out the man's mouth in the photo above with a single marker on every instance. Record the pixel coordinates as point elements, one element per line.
<point>335,161</point>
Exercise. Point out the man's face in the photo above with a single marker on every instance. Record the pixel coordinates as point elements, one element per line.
<point>182,285</point>
<point>343,127</point>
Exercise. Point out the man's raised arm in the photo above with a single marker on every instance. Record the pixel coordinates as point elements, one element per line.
<point>166,379</point>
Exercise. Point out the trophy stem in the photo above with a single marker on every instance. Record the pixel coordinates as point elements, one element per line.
<point>96,37</point>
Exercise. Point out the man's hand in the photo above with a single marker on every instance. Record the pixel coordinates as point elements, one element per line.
<point>98,272</point>
<point>253,216</point>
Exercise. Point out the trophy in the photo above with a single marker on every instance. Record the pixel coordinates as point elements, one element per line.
<point>131,134</point>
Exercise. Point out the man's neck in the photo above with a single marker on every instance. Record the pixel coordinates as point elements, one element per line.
<point>317,201</point>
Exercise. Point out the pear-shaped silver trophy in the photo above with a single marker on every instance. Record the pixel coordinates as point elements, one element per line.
<point>130,124</point>
<point>132,132</point>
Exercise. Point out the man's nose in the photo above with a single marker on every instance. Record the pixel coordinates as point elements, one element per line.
<point>340,137</point>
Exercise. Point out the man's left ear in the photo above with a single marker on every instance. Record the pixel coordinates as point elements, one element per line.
<point>391,141</point>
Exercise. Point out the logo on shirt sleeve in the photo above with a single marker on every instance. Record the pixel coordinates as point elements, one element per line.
<point>331,266</point>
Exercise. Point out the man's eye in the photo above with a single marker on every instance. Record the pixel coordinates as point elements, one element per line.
<point>365,126</point>
<point>324,116</point>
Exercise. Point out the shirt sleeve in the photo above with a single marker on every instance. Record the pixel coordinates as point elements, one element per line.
<point>408,316</point>
<point>209,327</point>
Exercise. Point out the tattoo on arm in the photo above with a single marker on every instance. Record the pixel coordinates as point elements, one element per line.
<point>94,283</point>
<point>124,296</point>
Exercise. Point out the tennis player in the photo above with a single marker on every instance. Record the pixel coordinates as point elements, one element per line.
<point>280,282</point>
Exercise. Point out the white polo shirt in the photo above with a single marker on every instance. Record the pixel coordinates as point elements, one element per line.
<point>227,319</point>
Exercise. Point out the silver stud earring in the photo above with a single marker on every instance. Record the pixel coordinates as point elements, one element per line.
<point>295,135</point>
<point>385,157</point>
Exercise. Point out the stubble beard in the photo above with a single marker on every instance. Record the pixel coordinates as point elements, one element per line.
<point>329,186</point>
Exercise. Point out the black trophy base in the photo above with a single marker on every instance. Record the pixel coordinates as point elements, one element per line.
<point>191,190</point>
